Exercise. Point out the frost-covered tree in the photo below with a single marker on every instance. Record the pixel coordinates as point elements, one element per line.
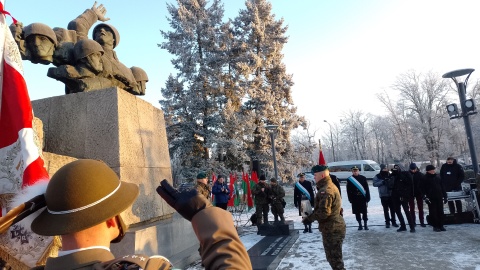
<point>265,82</point>
<point>194,96</point>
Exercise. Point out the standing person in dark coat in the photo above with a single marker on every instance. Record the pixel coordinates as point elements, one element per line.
<point>221,192</point>
<point>336,182</point>
<point>452,175</point>
<point>417,177</point>
<point>303,191</point>
<point>359,196</point>
<point>261,191</point>
<point>435,197</point>
<point>401,194</point>
<point>384,182</point>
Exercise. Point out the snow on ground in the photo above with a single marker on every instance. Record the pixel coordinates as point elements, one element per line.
<point>378,248</point>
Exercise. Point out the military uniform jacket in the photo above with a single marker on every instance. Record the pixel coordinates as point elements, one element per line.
<point>203,189</point>
<point>98,259</point>
<point>261,197</point>
<point>220,248</point>
<point>328,203</point>
<point>277,194</point>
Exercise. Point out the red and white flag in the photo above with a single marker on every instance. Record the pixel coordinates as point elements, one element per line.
<point>21,164</point>
<point>22,171</point>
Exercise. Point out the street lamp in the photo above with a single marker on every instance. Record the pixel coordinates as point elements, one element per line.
<point>272,129</point>
<point>467,106</point>
<point>331,139</point>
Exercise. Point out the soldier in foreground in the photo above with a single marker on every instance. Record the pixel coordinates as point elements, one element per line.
<point>87,216</point>
<point>329,214</point>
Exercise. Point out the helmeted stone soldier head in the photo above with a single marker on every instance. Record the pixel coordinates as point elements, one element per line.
<point>106,35</point>
<point>141,78</point>
<point>88,53</point>
<point>40,42</point>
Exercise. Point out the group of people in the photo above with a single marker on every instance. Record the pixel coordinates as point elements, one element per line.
<point>266,196</point>
<point>401,189</point>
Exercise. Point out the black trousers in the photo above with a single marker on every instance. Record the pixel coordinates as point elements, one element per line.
<point>435,209</point>
<point>398,204</point>
<point>388,209</point>
<point>221,205</point>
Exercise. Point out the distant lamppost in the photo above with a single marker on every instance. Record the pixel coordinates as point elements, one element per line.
<point>467,106</point>
<point>331,139</point>
<point>272,129</point>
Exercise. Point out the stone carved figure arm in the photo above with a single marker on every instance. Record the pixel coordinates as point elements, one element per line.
<point>82,24</point>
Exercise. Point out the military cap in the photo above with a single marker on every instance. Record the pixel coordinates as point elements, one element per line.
<point>262,177</point>
<point>301,174</point>
<point>80,195</point>
<point>319,168</point>
<point>201,175</point>
<point>430,168</point>
<point>273,180</point>
<point>355,168</point>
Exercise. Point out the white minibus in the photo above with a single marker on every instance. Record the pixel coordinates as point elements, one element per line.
<point>343,169</point>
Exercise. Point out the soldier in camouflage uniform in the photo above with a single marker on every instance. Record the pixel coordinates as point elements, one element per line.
<point>202,186</point>
<point>276,195</point>
<point>261,191</point>
<point>329,214</point>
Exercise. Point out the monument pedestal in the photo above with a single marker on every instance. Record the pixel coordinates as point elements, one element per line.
<point>276,228</point>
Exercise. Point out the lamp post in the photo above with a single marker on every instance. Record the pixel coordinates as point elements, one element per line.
<point>467,106</point>
<point>331,139</point>
<point>272,129</point>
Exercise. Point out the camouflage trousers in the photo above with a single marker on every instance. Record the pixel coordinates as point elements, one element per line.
<point>332,243</point>
<point>277,208</point>
<point>262,213</point>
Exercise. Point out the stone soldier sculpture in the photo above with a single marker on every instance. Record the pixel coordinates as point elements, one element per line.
<point>329,214</point>
<point>277,194</point>
<point>261,191</point>
<point>41,44</point>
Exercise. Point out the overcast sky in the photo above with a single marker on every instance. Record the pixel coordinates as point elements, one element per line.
<point>341,53</point>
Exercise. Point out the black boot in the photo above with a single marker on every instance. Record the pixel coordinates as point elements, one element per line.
<point>282,219</point>
<point>402,229</point>
<point>387,224</point>
<point>360,226</point>
<point>275,218</point>
<point>306,229</point>
<point>365,225</point>
<point>422,224</point>
<point>394,224</point>
<point>310,228</point>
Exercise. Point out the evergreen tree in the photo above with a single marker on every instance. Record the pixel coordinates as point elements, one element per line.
<point>260,40</point>
<point>193,98</point>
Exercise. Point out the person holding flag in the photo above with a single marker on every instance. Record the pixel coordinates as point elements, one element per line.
<point>359,196</point>
<point>262,195</point>
<point>303,199</point>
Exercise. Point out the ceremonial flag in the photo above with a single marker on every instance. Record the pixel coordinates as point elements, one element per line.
<point>21,163</point>
<point>238,191</point>
<point>22,171</point>
<point>214,179</point>
<point>249,191</point>
<point>255,177</point>
<point>321,158</point>
<point>231,186</point>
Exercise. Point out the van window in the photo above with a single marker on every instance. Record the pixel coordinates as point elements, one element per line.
<point>344,168</point>
<point>375,166</point>
<point>368,168</point>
